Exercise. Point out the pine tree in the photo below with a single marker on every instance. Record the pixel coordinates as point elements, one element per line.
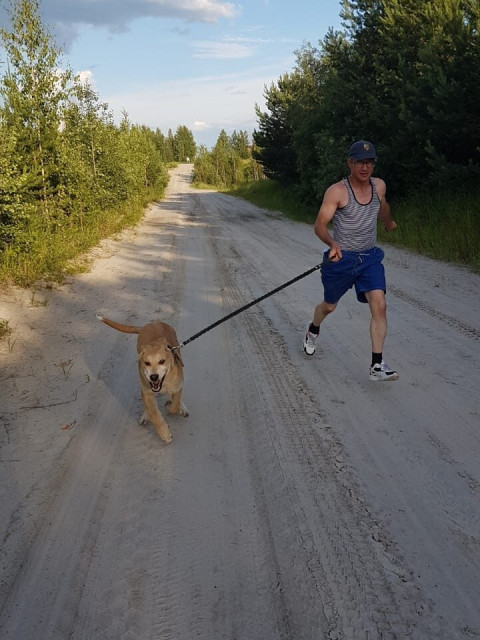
<point>185,147</point>
<point>239,144</point>
<point>170,147</point>
<point>274,137</point>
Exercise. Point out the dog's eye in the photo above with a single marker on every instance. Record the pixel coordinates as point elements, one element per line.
<point>161,362</point>
<point>147,363</point>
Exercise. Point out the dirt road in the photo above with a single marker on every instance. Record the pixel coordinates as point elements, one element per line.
<point>299,501</point>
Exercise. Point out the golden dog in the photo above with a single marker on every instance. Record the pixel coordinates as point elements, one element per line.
<point>161,371</point>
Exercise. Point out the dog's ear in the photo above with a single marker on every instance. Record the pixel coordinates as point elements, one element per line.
<point>176,355</point>
<point>141,358</point>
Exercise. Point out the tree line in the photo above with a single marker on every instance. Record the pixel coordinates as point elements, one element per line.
<point>65,166</point>
<point>229,163</point>
<point>404,74</point>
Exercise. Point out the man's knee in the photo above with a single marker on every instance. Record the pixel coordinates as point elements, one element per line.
<point>328,307</point>
<point>376,300</point>
<point>322,310</point>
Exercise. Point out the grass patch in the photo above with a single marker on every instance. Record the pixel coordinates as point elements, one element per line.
<point>53,255</point>
<point>5,329</point>
<point>269,194</point>
<point>209,187</point>
<point>443,226</point>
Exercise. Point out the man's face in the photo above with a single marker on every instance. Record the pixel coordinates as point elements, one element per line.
<point>361,169</point>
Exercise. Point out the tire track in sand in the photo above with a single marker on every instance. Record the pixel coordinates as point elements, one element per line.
<point>331,565</point>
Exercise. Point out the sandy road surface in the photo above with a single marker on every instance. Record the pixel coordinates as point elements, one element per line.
<point>298,501</point>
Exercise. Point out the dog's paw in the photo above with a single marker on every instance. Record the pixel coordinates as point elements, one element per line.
<point>176,411</point>
<point>143,419</point>
<point>165,434</point>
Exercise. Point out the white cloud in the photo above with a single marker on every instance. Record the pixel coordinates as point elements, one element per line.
<point>222,50</point>
<point>200,126</point>
<point>115,14</point>
<point>228,47</point>
<point>86,77</point>
<point>68,16</point>
<point>196,10</point>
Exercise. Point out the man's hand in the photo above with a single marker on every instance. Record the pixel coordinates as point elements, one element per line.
<point>335,252</point>
<point>390,225</point>
<point>385,213</point>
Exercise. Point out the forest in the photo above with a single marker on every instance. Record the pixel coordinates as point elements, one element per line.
<point>69,176</point>
<point>404,74</point>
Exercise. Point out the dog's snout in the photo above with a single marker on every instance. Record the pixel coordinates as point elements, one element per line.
<point>154,377</point>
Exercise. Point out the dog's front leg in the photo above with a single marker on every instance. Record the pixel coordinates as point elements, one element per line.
<point>176,406</point>
<point>153,414</point>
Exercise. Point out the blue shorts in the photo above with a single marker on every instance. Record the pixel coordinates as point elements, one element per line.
<point>362,269</point>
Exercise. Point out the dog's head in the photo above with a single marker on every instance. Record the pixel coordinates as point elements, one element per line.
<point>155,362</point>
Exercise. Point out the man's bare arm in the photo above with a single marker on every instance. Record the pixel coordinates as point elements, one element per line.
<point>330,204</point>
<point>384,213</point>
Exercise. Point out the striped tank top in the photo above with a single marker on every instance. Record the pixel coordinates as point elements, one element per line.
<point>355,224</point>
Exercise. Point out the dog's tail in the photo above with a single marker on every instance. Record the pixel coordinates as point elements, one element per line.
<point>126,328</point>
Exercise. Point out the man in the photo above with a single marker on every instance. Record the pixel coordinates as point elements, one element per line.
<point>353,259</point>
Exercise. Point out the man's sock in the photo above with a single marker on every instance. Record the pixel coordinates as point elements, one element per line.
<point>377,358</point>
<point>314,329</point>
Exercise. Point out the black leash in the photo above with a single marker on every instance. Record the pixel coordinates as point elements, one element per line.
<point>250,304</point>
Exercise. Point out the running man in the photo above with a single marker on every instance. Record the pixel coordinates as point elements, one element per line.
<point>353,259</point>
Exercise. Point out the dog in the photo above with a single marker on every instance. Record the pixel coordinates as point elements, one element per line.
<point>160,367</point>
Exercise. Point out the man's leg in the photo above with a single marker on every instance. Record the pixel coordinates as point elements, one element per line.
<point>322,310</point>
<point>337,279</point>
<point>379,370</point>
<point>378,322</point>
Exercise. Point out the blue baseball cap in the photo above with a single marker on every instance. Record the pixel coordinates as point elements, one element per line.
<point>362,150</point>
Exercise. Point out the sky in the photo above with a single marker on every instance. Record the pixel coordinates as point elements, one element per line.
<point>203,64</point>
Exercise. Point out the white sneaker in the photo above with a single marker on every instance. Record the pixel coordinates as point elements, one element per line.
<point>309,345</point>
<point>382,372</point>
